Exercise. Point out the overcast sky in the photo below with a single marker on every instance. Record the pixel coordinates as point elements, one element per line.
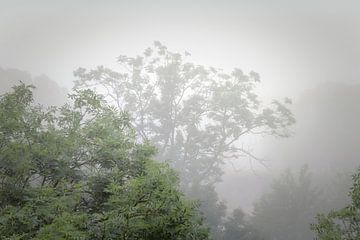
<point>292,44</point>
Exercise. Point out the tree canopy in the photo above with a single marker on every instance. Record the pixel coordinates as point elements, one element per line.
<point>287,210</point>
<point>238,227</point>
<point>195,115</point>
<point>77,172</point>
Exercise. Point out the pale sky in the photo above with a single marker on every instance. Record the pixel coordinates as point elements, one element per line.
<point>293,45</point>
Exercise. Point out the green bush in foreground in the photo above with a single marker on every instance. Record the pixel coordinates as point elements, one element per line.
<point>76,172</point>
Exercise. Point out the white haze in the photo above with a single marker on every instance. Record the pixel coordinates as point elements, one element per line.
<point>293,45</point>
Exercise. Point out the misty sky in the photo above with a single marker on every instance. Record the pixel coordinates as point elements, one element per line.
<point>292,44</point>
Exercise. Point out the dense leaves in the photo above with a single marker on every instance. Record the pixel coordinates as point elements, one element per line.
<point>343,224</point>
<point>77,172</point>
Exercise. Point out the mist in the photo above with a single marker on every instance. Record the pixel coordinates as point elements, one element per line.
<point>252,105</point>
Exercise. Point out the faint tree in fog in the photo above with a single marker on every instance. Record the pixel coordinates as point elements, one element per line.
<point>237,227</point>
<point>196,116</point>
<point>288,209</point>
<point>47,91</point>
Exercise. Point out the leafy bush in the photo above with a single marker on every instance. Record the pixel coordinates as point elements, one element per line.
<point>77,172</point>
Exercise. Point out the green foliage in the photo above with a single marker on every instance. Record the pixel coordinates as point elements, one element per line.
<point>344,223</point>
<point>288,209</point>
<point>149,207</point>
<point>77,172</point>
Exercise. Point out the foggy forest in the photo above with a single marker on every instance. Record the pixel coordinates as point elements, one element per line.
<point>180,120</point>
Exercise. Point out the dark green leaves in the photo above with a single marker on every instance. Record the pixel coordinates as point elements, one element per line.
<point>77,172</point>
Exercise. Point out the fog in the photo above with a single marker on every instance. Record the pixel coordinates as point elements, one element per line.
<point>307,51</point>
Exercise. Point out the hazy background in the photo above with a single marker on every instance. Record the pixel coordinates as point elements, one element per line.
<point>306,50</point>
<point>292,44</point>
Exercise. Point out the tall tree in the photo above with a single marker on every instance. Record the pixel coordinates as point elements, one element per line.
<point>195,115</point>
